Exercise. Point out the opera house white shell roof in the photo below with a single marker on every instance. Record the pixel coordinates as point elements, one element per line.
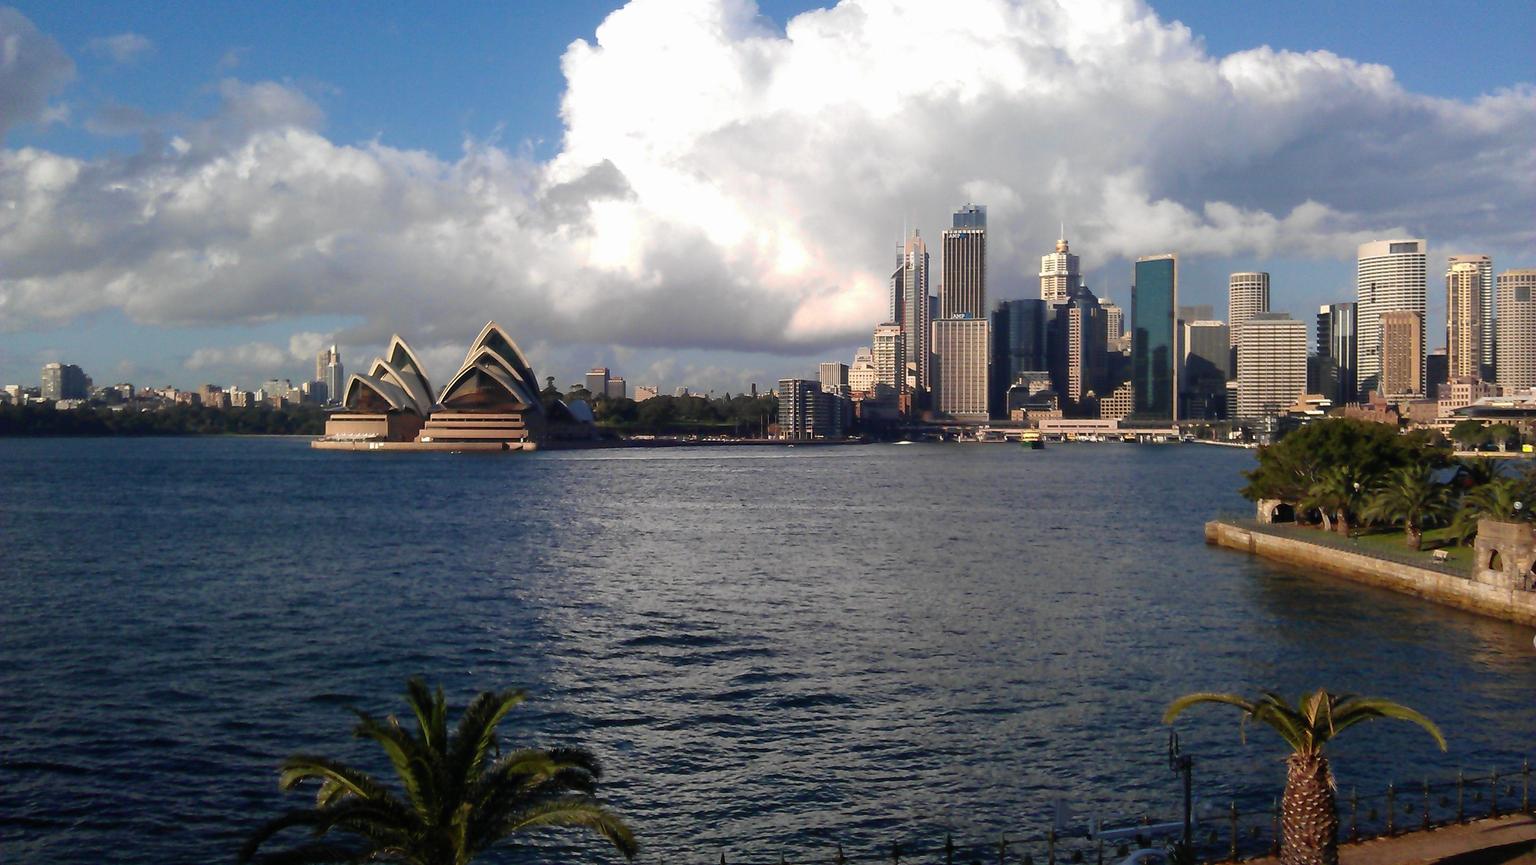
<point>495,376</point>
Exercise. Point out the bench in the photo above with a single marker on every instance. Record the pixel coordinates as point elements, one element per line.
<point>1440,555</point>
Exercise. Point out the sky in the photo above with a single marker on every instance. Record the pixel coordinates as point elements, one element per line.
<point>710,193</point>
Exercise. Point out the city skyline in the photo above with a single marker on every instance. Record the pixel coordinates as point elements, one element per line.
<point>710,286</point>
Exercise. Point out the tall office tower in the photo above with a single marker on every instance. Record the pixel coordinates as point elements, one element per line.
<point>1198,312</point>
<point>1114,322</point>
<point>834,376</point>
<point>960,355</point>
<point>797,408</point>
<point>597,380</point>
<point>1336,351</point>
<point>888,356</point>
<point>1389,275</point>
<point>1247,296</point>
<point>1402,353</point>
<point>1516,341</point>
<point>1207,366</point>
<point>1437,372</point>
<point>964,289</point>
<point>618,388</point>
<point>1059,275</point>
<point>1078,360</point>
<point>1018,346</point>
<point>915,311</point>
<point>330,372</point>
<point>1464,334</point>
<point>861,375</point>
<point>1485,300</point>
<point>1154,358</point>
<point>1271,364</point>
<point>64,381</point>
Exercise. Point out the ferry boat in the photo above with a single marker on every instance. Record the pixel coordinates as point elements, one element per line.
<point>1032,440</point>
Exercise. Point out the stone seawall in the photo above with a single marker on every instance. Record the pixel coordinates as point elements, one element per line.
<point>1432,585</point>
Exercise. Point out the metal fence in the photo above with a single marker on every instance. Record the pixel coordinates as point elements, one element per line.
<point>1230,836</point>
<point>1351,544</point>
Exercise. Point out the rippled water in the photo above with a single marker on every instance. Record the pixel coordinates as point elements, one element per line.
<point>772,650</point>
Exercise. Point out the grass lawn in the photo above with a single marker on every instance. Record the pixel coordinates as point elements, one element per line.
<point>1392,540</point>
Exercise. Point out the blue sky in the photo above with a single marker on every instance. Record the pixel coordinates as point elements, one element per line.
<point>440,78</point>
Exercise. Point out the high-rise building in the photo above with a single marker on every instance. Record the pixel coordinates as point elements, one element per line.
<point>1154,357</point>
<point>64,381</point>
<point>1271,364</point>
<point>1401,353</point>
<point>618,388</point>
<point>1018,346</point>
<point>888,356</point>
<point>1077,358</point>
<point>330,372</point>
<point>910,286</point>
<point>1247,296</point>
<point>1487,307</point>
<point>861,375</point>
<point>1114,323</point>
<point>1336,351</point>
<point>1516,366</point>
<point>833,376</point>
<point>960,348</point>
<point>1437,372</point>
<point>597,381</point>
<point>1059,275</point>
<point>964,287</point>
<point>1389,275</point>
<point>1198,312</point>
<point>1464,334</point>
<point>808,412</point>
<point>1207,367</point>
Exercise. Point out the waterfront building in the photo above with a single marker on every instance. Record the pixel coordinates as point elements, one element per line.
<point>1389,275</point>
<point>1059,274</point>
<point>1516,342</point>
<point>644,392</point>
<point>1154,358</point>
<point>963,290</point>
<point>1336,351</point>
<point>1118,404</point>
<point>909,291</point>
<point>1207,361</point>
<point>1018,346</point>
<point>1464,317</point>
<point>330,372</point>
<point>1271,365</point>
<point>64,381</point>
<point>1461,392</point>
<point>1487,318</point>
<point>596,381</point>
<point>861,375</point>
<point>618,388</point>
<point>960,348</point>
<point>1077,358</point>
<point>833,376</point>
<point>1401,353</point>
<point>806,411</point>
<point>1247,296</point>
<point>888,356</point>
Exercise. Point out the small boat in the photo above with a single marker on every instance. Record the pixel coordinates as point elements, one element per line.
<point>903,442</point>
<point>1032,440</point>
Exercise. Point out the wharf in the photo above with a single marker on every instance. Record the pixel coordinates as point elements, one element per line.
<point>1495,841</point>
<point>1442,583</point>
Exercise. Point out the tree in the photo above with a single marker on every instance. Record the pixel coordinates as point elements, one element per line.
<point>1309,821</point>
<point>1411,497</point>
<point>1337,495</point>
<point>1502,434</point>
<point>1470,434</point>
<point>459,799</point>
<point>1506,499</point>
<point>1289,468</point>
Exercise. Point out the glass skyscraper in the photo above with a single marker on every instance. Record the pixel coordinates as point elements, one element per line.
<point>1154,358</point>
<point>1018,346</point>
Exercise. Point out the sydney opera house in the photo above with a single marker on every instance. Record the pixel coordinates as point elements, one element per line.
<point>491,403</point>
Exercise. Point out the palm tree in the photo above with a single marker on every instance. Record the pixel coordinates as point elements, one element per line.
<point>1336,495</point>
<point>460,799</point>
<point>1505,499</point>
<point>1309,822</point>
<point>1411,497</point>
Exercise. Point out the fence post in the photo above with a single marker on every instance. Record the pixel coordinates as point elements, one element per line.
<point>1050,846</point>
<point>1101,850</point>
<point>1002,849</point>
<point>841,859</point>
<point>1525,787</point>
<point>1274,827</point>
<point>949,849</point>
<point>1391,810</point>
<point>1493,793</point>
<point>1354,816</point>
<point>722,857</point>
<point>1232,853</point>
<point>1426,803</point>
<point>1461,791</point>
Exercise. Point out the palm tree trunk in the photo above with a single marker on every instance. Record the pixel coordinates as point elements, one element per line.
<point>1415,536</point>
<point>1309,825</point>
<point>1342,524</point>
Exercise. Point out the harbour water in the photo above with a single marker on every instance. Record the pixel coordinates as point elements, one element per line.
<point>772,650</point>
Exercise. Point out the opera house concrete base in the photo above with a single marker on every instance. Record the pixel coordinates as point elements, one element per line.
<point>440,447</point>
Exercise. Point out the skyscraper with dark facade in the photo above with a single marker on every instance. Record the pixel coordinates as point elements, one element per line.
<point>1078,354</point>
<point>964,287</point>
<point>1336,352</point>
<point>1018,346</point>
<point>910,303</point>
<point>1154,355</point>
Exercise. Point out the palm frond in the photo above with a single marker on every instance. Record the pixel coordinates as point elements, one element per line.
<point>411,764</point>
<point>575,812</point>
<point>1178,706</point>
<point>431,713</point>
<point>336,779</point>
<point>476,731</point>
<point>1360,709</point>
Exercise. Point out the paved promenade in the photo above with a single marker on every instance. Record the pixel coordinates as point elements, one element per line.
<point>1484,842</point>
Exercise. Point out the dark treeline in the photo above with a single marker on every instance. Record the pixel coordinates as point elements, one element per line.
<point>37,420</point>
<point>741,415</point>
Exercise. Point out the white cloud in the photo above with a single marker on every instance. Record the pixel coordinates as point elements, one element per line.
<point>724,186</point>
<point>254,356</point>
<point>32,68</point>
<point>123,48</point>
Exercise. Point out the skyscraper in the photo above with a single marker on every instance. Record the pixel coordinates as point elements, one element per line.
<point>1207,367</point>
<point>964,287</point>
<point>1114,323</point>
<point>1389,275</point>
<point>1271,364</point>
<point>1336,350</point>
<point>960,353</point>
<point>64,381</point>
<point>1485,300</point>
<point>1464,319</point>
<point>1247,296</point>
<point>887,351</point>
<point>1154,358</point>
<point>596,381</point>
<point>911,278</point>
<point>1059,274</point>
<point>1402,353</point>
<point>861,375</point>
<point>834,376</point>
<point>1018,346</point>
<point>1516,365</point>
<point>1078,360</point>
<point>330,373</point>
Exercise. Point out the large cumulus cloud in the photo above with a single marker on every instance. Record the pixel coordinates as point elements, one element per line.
<point>722,184</point>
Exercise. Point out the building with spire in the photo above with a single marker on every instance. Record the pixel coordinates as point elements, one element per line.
<point>909,290</point>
